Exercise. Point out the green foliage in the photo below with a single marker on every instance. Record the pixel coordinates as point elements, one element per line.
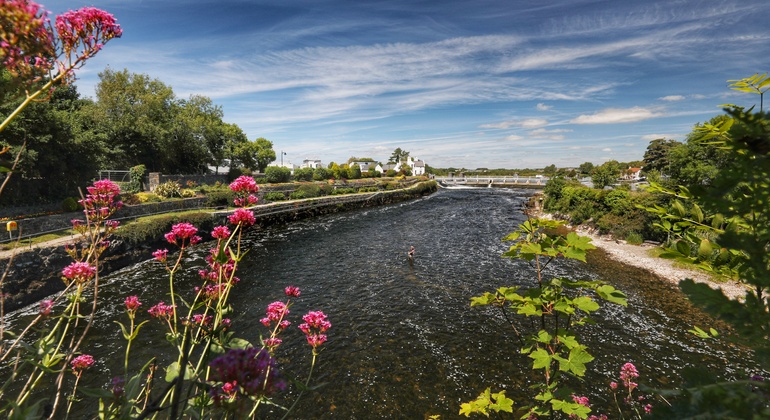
<point>275,196</point>
<point>70,204</point>
<point>560,306</point>
<point>136,174</point>
<point>488,402</point>
<point>152,228</point>
<point>145,197</point>
<point>303,174</point>
<point>168,189</point>
<point>321,174</point>
<point>219,198</point>
<point>346,190</point>
<point>309,190</point>
<point>277,174</point>
<point>187,193</point>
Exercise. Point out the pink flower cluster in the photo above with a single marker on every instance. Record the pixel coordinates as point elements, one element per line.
<point>132,304</point>
<point>84,32</point>
<point>242,217</point>
<point>45,307</point>
<point>161,310</point>
<point>26,40</point>
<point>99,204</point>
<point>627,374</point>
<point>292,291</point>
<point>217,268</point>
<point>79,272</point>
<point>276,311</point>
<point>82,362</point>
<point>314,328</point>
<point>244,188</point>
<point>183,234</point>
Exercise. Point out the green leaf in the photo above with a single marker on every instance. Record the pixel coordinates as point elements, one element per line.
<point>610,294</point>
<point>683,248</point>
<point>705,249</point>
<point>541,358</point>
<point>585,304</point>
<point>172,371</point>
<point>576,362</point>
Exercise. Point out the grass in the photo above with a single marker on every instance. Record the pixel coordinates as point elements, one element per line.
<point>28,242</point>
<point>715,277</point>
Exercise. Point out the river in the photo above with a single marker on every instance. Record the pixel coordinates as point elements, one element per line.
<point>405,342</point>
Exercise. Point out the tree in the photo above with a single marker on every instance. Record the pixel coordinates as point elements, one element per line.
<point>657,155</point>
<point>606,174</point>
<point>277,174</point>
<point>398,155</point>
<point>549,170</point>
<point>254,155</point>
<point>699,159</point>
<point>234,138</point>
<point>586,168</point>
<point>303,174</point>
<point>137,114</point>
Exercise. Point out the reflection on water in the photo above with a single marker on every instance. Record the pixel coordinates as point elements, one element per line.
<point>405,342</point>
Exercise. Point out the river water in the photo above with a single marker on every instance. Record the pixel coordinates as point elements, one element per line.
<point>405,342</point>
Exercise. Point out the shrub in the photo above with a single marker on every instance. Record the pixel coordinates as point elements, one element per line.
<point>169,189</point>
<point>634,238</point>
<point>392,185</point>
<point>136,174</point>
<point>297,195</point>
<point>234,173</point>
<point>368,189</point>
<point>187,193</point>
<point>148,229</point>
<point>219,197</point>
<point>145,197</point>
<point>321,174</point>
<point>275,196</point>
<point>326,189</point>
<point>70,204</point>
<point>303,174</point>
<point>310,190</point>
<point>277,174</point>
<point>340,191</point>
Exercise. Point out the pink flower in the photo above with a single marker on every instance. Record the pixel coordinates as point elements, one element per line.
<point>45,307</point>
<point>183,234</point>
<point>82,362</point>
<point>243,217</point>
<point>273,342</point>
<point>277,310</point>
<point>220,232</point>
<point>161,310</point>
<point>244,184</point>
<point>132,303</point>
<point>292,291</point>
<point>648,408</point>
<point>627,373</point>
<point>614,385</point>
<point>79,272</point>
<point>161,255</point>
<point>315,324</point>
<point>580,400</point>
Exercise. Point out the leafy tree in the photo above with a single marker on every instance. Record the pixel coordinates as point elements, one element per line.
<point>699,160</point>
<point>398,155</point>
<point>137,114</point>
<point>354,172</point>
<point>549,170</point>
<point>234,138</point>
<point>656,157</point>
<point>320,174</point>
<point>606,174</point>
<point>255,155</point>
<point>586,168</point>
<point>277,174</point>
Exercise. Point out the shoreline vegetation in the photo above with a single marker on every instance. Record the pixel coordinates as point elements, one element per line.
<point>641,256</point>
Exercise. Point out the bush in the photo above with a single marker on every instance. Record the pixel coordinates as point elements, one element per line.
<point>136,174</point>
<point>275,196</point>
<point>277,174</point>
<point>297,195</point>
<point>219,197</point>
<point>152,228</point>
<point>145,197</point>
<point>169,189</point>
<point>368,189</point>
<point>303,174</point>
<point>70,204</point>
<point>309,190</point>
<point>340,191</point>
<point>188,193</point>
<point>326,189</point>
<point>321,174</point>
<point>634,238</point>
<point>234,173</point>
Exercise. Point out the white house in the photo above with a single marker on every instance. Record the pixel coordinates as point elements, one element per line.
<point>366,165</point>
<point>416,165</point>
<point>311,163</point>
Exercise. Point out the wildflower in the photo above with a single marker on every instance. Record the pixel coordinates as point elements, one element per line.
<point>314,327</point>
<point>220,232</point>
<point>183,234</point>
<point>82,362</point>
<point>132,303</point>
<point>292,291</point>
<point>243,217</point>
<point>272,342</point>
<point>580,400</point>
<point>252,370</point>
<point>161,310</point>
<point>161,255</point>
<point>648,408</point>
<point>614,385</point>
<point>627,373</point>
<point>244,184</point>
<point>79,272</point>
<point>118,389</point>
<point>45,307</point>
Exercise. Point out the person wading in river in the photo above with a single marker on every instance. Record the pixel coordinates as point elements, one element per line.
<point>410,254</point>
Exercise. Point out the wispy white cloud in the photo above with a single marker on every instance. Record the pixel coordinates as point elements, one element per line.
<point>616,116</point>
<point>543,107</point>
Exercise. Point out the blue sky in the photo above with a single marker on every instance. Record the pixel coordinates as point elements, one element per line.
<point>496,84</point>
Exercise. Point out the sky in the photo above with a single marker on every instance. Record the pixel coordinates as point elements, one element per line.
<point>462,84</point>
